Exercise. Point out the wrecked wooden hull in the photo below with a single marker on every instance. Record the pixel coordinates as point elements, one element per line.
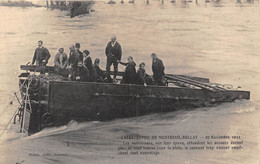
<point>75,7</point>
<point>97,101</point>
<point>58,102</point>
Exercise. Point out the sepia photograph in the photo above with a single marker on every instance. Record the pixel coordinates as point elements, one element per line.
<point>130,81</point>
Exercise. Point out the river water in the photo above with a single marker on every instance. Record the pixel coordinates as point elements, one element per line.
<point>220,41</point>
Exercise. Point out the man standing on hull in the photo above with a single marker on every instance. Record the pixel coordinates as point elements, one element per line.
<point>41,56</point>
<point>73,62</point>
<point>114,54</point>
<point>158,70</point>
<point>80,54</point>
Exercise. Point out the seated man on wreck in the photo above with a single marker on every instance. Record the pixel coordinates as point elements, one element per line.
<point>41,56</point>
<point>60,63</point>
<point>158,70</point>
<point>130,71</point>
<point>88,63</point>
<point>82,73</point>
<point>142,77</point>
<point>100,75</point>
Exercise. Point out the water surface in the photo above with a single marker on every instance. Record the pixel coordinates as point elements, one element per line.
<point>215,40</point>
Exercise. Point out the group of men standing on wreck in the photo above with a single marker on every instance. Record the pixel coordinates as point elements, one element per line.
<point>79,67</point>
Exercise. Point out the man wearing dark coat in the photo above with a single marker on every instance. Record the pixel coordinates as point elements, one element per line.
<point>100,76</point>
<point>77,49</point>
<point>41,56</point>
<point>114,53</point>
<point>73,57</point>
<point>142,77</point>
<point>130,71</point>
<point>73,62</point>
<point>88,63</point>
<point>158,70</point>
<point>82,73</point>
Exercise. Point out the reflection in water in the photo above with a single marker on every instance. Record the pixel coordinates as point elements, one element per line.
<point>219,40</point>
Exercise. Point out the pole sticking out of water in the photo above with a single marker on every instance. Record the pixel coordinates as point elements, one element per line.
<point>47,4</point>
<point>52,4</point>
<point>250,1</point>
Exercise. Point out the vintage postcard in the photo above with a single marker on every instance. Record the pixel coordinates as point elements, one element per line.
<point>130,81</point>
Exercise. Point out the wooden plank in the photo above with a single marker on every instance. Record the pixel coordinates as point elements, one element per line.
<point>215,87</point>
<point>200,79</point>
<point>181,84</point>
<point>27,116</point>
<point>193,82</point>
<point>34,68</point>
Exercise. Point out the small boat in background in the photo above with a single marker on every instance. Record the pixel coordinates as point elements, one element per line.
<point>111,2</point>
<point>50,100</point>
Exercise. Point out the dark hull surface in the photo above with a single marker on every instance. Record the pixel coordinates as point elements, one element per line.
<point>59,102</point>
<point>56,102</point>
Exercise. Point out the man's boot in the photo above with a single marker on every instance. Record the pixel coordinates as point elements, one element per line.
<point>109,79</point>
<point>115,73</point>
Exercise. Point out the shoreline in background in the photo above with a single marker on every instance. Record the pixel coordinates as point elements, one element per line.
<point>75,8</point>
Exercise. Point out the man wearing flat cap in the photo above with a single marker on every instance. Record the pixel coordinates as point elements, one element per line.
<point>114,53</point>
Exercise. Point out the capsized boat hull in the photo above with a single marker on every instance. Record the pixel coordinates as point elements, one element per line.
<point>86,101</point>
<point>55,102</point>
